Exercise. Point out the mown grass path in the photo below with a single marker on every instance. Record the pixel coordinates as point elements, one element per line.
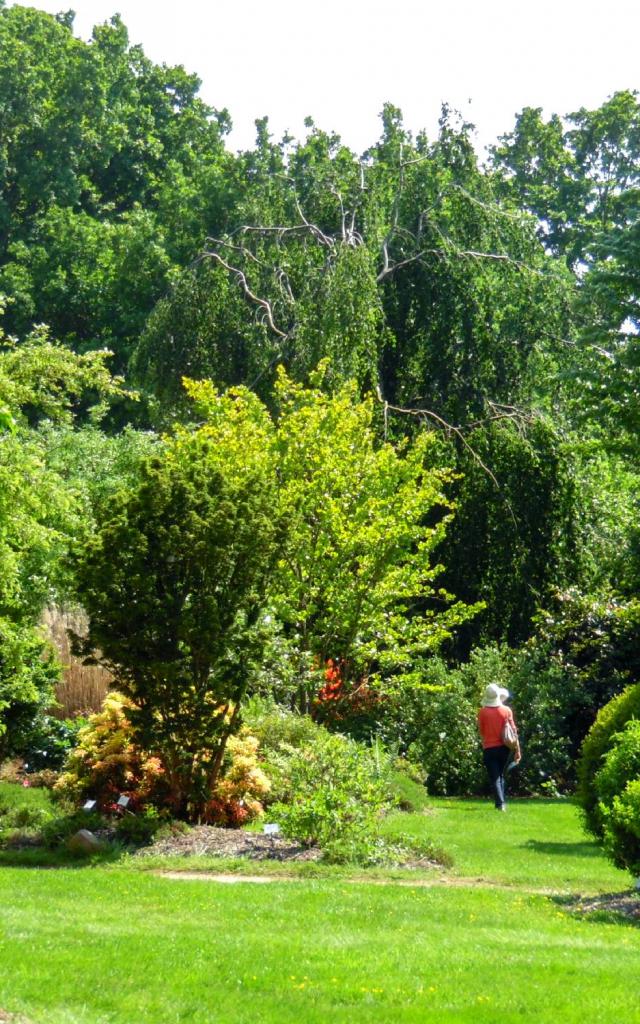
<point>117,945</point>
<point>537,844</point>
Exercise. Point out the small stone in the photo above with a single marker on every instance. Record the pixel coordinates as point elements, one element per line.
<point>84,841</point>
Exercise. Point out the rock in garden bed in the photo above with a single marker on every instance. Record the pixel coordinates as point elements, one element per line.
<point>229,842</point>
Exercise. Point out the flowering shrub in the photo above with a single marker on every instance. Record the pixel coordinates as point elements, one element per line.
<point>351,706</point>
<point>106,763</point>
<point>333,689</point>
<point>236,798</point>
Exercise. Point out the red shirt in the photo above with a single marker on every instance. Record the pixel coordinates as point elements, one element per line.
<point>490,723</point>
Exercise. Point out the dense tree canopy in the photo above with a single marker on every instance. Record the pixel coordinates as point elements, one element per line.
<point>476,326</point>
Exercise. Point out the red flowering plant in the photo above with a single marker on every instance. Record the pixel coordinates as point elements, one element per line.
<point>353,706</point>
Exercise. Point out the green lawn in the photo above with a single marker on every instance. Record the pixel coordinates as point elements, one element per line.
<point>537,843</point>
<point>115,945</point>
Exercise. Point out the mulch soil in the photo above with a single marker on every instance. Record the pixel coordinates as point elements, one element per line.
<point>230,842</point>
<point>626,904</point>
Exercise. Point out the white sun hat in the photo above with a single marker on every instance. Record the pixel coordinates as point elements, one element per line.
<point>493,696</point>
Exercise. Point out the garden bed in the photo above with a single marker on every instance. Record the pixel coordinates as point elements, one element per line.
<point>230,842</point>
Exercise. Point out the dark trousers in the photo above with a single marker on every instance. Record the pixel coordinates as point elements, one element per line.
<point>495,761</point>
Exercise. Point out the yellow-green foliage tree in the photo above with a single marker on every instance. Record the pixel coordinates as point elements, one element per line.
<point>356,578</point>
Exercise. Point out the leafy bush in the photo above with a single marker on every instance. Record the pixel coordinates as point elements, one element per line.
<point>139,829</point>
<point>621,764</point>
<point>617,785</point>
<point>24,817</point>
<point>611,719</point>
<point>280,734</point>
<point>447,745</point>
<point>622,828</point>
<point>545,697</point>
<point>337,791</point>
<point>23,812</point>
<point>107,763</point>
<point>46,778</point>
<point>59,829</point>
<point>29,671</point>
<point>236,797</point>
<point>596,645</point>
<point>48,741</point>
<point>408,789</point>
<point>274,725</point>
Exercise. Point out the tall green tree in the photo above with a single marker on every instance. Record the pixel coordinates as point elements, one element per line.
<point>177,613</point>
<point>110,169</point>
<point>39,514</point>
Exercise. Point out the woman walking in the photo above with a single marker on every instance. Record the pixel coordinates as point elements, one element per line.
<point>497,729</point>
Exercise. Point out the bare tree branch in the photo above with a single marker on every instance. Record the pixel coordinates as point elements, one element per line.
<point>449,428</point>
<point>240,277</point>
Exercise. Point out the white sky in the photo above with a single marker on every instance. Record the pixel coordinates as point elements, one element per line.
<point>340,60</point>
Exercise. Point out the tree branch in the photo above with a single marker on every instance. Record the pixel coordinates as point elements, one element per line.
<point>242,280</point>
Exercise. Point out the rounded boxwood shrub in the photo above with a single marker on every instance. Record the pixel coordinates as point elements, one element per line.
<point>622,828</point>
<point>611,719</point>
<point>620,765</point>
<point>618,787</point>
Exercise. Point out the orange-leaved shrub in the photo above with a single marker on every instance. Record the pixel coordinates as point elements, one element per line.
<point>237,796</point>
<point>107,763</point>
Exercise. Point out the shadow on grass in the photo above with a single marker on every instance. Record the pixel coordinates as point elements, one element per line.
<point>585,848</point>
<point>480,803</point>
